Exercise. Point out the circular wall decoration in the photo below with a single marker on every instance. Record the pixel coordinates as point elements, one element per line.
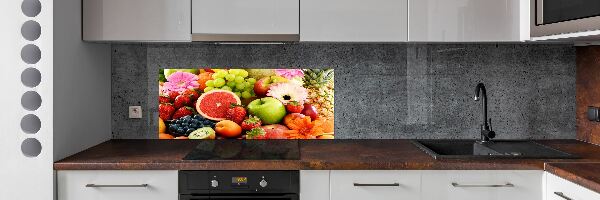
<point>31,100</point>
<point>31,8</point>
<point>31,54</point>
<point>31,77</point>
<point>31,30</point>
<point>31,147</point>
<point>31,124</point>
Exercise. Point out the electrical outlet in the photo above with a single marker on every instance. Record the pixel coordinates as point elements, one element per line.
<point>135,112</point>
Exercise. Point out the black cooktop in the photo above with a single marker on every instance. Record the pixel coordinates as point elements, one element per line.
<point>245,150</point>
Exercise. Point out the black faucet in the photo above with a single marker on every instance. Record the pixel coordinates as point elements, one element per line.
<point>486,128</point>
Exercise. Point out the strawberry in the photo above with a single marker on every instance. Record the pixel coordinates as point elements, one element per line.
<point>173,95</point>
<point>251,123</point>
<point>163,99</point>
<point>183,111</point>
<point>192,93</point>
<point>236,113</point>
<point>256,133</point>
<point>182,100</point>
<point>165,111</point>
<point>294,107</point>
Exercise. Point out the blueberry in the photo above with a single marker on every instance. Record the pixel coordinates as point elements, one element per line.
<point>180,130</point>
<point>185,124</point>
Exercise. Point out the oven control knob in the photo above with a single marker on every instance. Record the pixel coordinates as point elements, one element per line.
<point>214,183</point>
<point>263,183</point>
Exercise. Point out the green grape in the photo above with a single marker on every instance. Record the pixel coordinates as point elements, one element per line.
<point>231,84</point>
<point>210,83</point>
<point>219,74</point>
<point>238,94</point>
<point>239,79</point>
<point>246,94</point>
<point>233,71</point>
<point>230,77</point>
<point>249,87</point>
<point>240,86</point>
<point>219,82</point>
<point>226,88</point>
<point>208,89</point>
<point>251,80</point>
<point>243,73</point>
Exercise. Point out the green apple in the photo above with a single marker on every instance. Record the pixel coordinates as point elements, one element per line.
<point>168,72</point>
<point>268,109</point>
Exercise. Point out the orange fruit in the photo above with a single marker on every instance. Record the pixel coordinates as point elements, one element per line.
<point>164,136</point>
<point>162,128</point>
<point>203,77</point>
<point>228,129</point>
<point>325,137</point>
<point>181,138</point>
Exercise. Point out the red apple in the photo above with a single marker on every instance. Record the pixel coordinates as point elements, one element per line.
<point>310,110</point>
<point>275,131</point>
<point>261,87</point>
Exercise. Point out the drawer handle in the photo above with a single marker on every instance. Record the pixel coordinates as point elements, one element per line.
<point>376,184</point>
<point>115,186</point>
<point>502,185</point>
<point>560,194</point>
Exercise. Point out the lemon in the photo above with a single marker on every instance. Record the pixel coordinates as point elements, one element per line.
<point>205,133</point>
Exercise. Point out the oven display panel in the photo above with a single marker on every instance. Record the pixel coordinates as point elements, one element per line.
<point>239,181</point>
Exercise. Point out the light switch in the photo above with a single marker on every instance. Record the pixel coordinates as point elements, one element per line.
<point>135,112</point>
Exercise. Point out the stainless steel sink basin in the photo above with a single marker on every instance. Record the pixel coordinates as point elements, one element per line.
<point>471,149</point>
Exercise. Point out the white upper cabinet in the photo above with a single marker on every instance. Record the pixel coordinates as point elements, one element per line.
<point>353,20</point>
<point>245,20</point>
<point>468,20</point>
<point>136,20</point>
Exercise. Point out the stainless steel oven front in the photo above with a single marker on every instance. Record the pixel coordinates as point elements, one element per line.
<point>554,17</point>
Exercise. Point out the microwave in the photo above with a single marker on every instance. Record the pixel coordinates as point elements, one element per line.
<point>556,17</point>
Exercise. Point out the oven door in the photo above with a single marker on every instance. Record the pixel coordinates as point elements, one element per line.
<point>553,17</point>
<point>241,197</point>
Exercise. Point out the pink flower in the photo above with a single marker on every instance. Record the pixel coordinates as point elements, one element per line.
<point>181,81</point>
<point>290,73</point>
<point>287,92</point>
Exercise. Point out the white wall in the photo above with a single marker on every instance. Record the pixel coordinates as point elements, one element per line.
<point>82,109</point>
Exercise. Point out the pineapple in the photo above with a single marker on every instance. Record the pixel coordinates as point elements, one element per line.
<point>319,83</point>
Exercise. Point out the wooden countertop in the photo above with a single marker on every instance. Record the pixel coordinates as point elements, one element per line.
<point>584,174</point>
<point>314,154</point>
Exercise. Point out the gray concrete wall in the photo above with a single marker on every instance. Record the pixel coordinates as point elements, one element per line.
<point>383,90</point>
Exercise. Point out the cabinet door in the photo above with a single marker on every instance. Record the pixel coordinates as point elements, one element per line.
<point>374,184</point>
<point>314,185</point>
<point>353,20</point>
<point>482,185</point>
<point>117,185</point>
<point>136,20</point>
<point>231,17</point>
<point>561,189</point>
<point>468,20</point>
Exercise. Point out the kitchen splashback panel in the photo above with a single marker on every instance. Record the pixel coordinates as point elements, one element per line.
<point>382,90</point>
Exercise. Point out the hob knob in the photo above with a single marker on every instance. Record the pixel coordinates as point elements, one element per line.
<point>263,183</point>
<point>214,183</point>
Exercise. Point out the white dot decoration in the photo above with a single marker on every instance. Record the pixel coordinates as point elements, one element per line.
<point>31,124</point>
<point>31,54</point>
<point>31,30</point>
<point>31,100</point>
<point>31,8</point>
<point>31,77</point>
<point>31,147</point>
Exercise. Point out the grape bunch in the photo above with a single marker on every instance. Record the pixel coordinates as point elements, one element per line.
<point>234,80</point>
<point>187,124</point>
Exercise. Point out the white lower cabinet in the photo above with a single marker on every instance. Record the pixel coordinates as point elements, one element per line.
<point>560,189</point>
<point>482,185</point>
<point>375,184</point>
<point>117,185</point>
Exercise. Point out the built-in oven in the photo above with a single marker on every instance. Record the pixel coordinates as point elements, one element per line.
<point>237,185</point>
<point>554,17</point>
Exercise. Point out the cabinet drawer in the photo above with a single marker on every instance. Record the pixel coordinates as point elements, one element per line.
<point>482,185</point>
<point>380,185</point>
<point>560,189</point>
<point>117,185</point>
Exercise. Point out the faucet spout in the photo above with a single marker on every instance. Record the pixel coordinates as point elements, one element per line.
<point>486,132</point>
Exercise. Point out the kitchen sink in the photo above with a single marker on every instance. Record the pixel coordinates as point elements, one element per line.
<point>472,149</point>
